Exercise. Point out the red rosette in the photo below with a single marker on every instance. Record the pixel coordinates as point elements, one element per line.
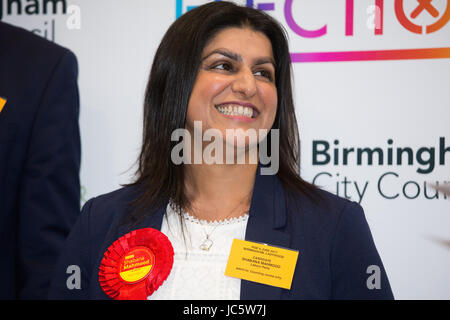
<point>136,265</point>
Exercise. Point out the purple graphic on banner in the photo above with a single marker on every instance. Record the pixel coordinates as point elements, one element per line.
<point>296,28</point>
<point>270,6</point>
<point>377,12</point>
<point>267,6</point>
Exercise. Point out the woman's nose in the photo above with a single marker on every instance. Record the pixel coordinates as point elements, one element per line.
<point>244,83</point>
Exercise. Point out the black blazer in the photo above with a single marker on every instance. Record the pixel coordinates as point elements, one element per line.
<point>333,239</point>
<point>39,159</point>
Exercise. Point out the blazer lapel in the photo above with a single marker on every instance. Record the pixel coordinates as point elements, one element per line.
<point>267,219</point>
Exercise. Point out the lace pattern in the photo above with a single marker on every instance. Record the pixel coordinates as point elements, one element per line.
<point>198,274</point>
<point>193,219</point>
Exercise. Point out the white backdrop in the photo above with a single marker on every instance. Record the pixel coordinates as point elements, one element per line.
<point>345,104</point>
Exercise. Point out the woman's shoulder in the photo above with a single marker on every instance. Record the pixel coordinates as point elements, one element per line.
<point>85,245</point>
<point>103,211</point>
<point>117,199</point>
<point>325,211</point>
<point>326,204</point>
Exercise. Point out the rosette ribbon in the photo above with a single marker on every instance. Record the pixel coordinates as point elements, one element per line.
<point>136,265</point>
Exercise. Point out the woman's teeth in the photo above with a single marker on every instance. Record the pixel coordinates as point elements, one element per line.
<point>236,110</point>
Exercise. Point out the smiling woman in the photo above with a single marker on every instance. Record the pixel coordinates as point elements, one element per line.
<point>235,86</point>
<point>226,67</point>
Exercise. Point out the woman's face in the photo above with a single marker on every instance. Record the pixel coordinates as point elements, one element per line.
<point>235,86</point>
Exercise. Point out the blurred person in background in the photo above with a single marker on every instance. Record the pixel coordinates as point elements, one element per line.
<point>39,159</point>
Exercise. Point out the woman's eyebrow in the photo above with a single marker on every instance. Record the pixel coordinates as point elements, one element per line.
<point>237,57</point>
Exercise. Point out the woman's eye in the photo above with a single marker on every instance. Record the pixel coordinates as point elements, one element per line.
<point>264,73</point>
<point>223,66</point>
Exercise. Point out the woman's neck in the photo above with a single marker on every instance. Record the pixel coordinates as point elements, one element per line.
<point>218,192</point>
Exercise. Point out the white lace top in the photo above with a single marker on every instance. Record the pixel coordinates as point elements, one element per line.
<point>198,274</point>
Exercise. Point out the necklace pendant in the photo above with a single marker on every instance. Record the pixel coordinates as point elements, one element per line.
<point>206,244</point>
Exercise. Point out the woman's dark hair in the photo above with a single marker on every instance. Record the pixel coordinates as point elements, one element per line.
<point>171,81</point>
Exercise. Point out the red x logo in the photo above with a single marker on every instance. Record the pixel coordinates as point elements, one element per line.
<point>424,5</point>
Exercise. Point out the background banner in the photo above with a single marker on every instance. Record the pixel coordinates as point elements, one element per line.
<point>372,93</point>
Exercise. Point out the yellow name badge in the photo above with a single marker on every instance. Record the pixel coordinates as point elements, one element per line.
<point>261,263</point>
<point>2,103</point>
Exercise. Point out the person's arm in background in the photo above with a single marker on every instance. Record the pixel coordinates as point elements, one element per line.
<point>50,186</point>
